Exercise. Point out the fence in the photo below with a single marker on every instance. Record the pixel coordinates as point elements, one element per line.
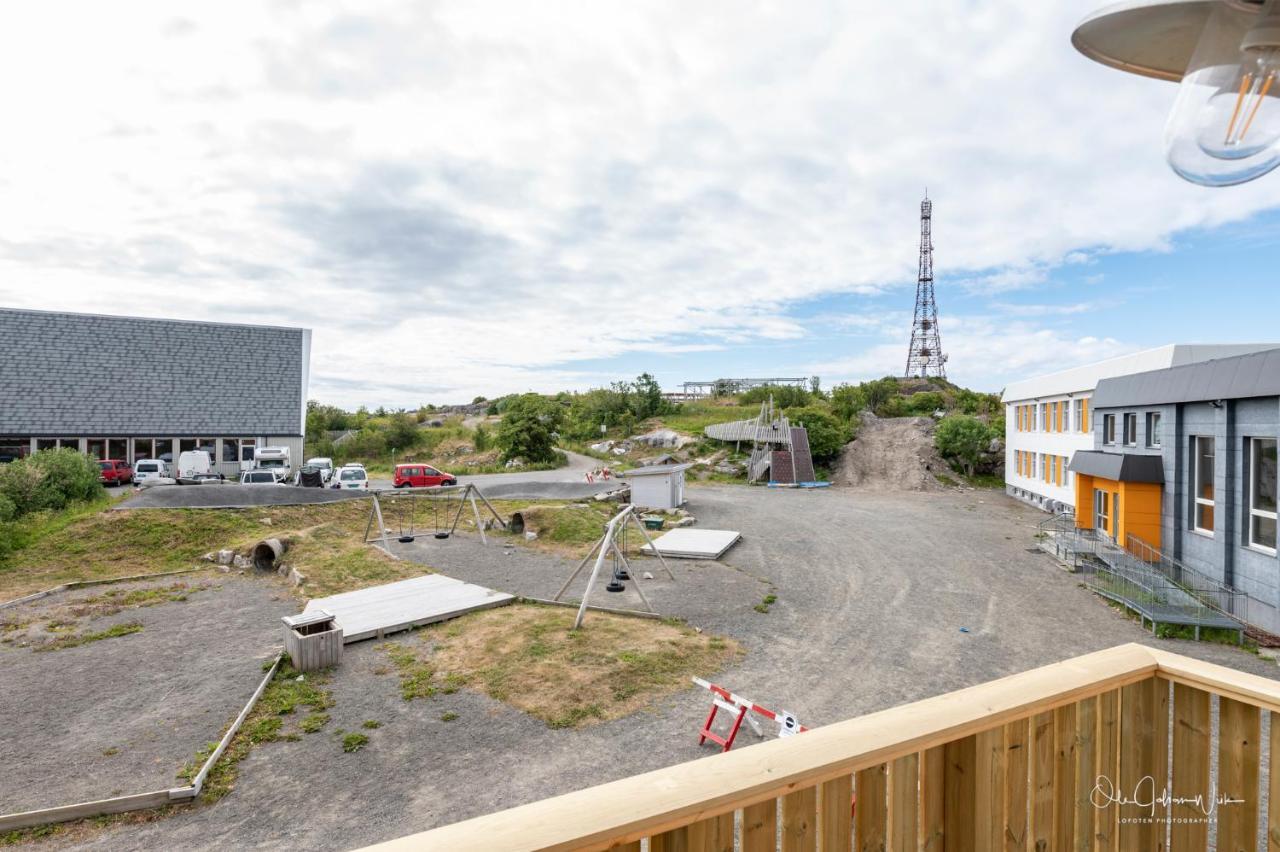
<point>1046,759</point>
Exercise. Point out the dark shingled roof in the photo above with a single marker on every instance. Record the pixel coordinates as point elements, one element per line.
<point>64,375</point>
<point>1120,467</point>
<point>1240,377</point>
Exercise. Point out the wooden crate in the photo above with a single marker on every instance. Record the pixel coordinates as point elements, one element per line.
<point>313,640</point>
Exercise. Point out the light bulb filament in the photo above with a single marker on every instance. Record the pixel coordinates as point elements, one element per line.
<point>1245,82</point>
<point>1257,103</point>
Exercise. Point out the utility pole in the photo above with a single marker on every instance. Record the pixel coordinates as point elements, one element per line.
<point>925,358</point>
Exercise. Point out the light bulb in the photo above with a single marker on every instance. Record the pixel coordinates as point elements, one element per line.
<point>1224,128</point>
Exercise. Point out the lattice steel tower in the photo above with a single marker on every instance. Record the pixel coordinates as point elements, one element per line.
<point>925,357</point>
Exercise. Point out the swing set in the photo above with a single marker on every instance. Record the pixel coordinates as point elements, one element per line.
<point>402,505</point>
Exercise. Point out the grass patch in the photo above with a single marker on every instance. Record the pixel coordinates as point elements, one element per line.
<point>266,723</point>
<point>693,417</point>
<point>416,676</point>
<point>448,717</point>
<point>765,603</point>
<point>85,638</point>
<point>88,543</point>
<point>528,656</point>
<point>371,724</point>
<point>354,742</point>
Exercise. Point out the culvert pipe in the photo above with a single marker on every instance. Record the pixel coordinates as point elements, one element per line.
<point>267,553</point>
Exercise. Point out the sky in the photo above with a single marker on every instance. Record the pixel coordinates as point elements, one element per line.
<point>477,198</point>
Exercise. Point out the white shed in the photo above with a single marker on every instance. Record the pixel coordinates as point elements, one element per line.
<point>659,486</point>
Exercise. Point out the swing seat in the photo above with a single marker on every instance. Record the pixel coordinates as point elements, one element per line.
<point>442,535</point>
<point>405,539</point>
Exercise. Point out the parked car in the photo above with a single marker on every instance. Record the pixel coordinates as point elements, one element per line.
<point>147,472</point>
<point>325,465</point>
<point>350,476</point>
<point>114,472</point>
<point>258,477</point>
<point>421,476</point>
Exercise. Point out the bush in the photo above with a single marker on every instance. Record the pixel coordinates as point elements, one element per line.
<point>8,511</point>
<point>49,479</point>
<point>963,438</point>
<point>480,440</point>
<point>527,429</point>
<point>827,435</point>
<point>784,396</point>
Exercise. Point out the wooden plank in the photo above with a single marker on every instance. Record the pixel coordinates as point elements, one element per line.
<point>904,804</point>
<point>83,810</point>
<point>1160,775</point>
<point>760,827</point>
<point>1191,736</point>
<point>675,840</point>
<point>1107,770</point>
<point>988,788</point>
<point>714,834</point>
<point>1239,762</point>
<point>1263,692</point>
<point>1042,793</point>
<point>958,808</point>
<point>1064,777</point>
<point>1273,786</point>
<point>800,821</point>
<point>1137,763</point>
<point>1085,773</point>
<point>871,824</point>
<point>933,774</point>
<point>1017,777</point>
<point>836,814</point>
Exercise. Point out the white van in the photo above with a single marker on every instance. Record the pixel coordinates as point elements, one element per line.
<point>325,465</point>
<point>148,472</point>
<point>196,466</point>
<point>274,459</point>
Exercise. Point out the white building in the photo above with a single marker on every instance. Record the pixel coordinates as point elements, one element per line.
<point>659,486</point>
<point>1047,418</point>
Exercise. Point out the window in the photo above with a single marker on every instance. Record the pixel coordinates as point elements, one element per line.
<point>1202,484</point>
<point>1078,415</point>
<point>1100,520</point>
<point>1044,417</point>
<point>1153,429</point>
<point>1108,428</point>
<point>1262,492</point>
<point>1131,430</point>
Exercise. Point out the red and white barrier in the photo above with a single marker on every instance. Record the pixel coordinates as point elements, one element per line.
<point>739,707</point>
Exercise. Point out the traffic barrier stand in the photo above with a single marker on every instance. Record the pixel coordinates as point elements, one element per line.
<point>741,709</point>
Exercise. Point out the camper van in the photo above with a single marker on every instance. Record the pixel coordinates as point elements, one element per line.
<point>196,466</point>
<point>274,459</point>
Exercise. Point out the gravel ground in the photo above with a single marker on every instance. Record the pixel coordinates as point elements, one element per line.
<point>873,590</point>
<point>122,715</point>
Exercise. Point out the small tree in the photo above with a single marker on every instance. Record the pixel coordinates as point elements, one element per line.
<point>963,439</point>
<point>480,438</point>
<point>527,430</point>
<point>50,479</point>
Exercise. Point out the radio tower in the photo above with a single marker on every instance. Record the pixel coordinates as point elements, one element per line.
<point>925,357</point>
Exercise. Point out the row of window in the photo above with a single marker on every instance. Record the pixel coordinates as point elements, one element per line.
<point>1261,484</point>
<point>1044,466</point>
<point>132,449</point>
<point>1067,415</point>
<point>1129,429</point>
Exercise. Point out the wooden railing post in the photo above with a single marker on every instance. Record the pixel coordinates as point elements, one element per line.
<point>1239,761</point>
<point>1190,767</point>
<point>958,809</point>
<point>1042,793</point>
<point>1137,762</point>
<point>1017,799</point>
<point>1085,772</point>
<point>800,821</point>
<point>871,829</point>
<point>904,804</point>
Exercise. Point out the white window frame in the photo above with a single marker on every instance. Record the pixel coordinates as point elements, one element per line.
<point>1044,417</point>
<point>1195,484</point>
<point>1155,419</point>
<point>1255,512</point>
<point>1109,429</point>
<point>1077,415</point>
<point>1130,427</point>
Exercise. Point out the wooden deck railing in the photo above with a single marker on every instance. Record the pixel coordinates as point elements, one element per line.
<point>1050,759</point>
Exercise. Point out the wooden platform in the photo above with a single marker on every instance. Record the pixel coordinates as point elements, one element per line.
<point>380,610</point>
<point>687,543</point>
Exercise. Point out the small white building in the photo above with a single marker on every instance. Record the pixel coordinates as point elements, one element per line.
<point>659,486</point>
<point>1047,419</point>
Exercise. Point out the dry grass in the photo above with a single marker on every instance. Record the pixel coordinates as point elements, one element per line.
<point>529,657</point>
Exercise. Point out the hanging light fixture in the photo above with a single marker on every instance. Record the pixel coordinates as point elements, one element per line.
<point>1224,127</point>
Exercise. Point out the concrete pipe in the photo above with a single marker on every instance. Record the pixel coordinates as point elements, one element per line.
<point>267,553</point>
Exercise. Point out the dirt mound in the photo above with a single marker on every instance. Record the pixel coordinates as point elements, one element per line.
<point>892,454</point>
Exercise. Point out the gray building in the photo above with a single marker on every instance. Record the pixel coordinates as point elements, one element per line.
<point>132,388</point>
<point>1185,460</point>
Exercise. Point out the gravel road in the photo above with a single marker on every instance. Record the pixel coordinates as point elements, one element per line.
<point>873,592</point>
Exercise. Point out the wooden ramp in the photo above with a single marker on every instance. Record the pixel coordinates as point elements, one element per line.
<point>377,611</point>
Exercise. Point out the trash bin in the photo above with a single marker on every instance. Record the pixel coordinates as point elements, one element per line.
<point>652,523</point>
<point>313,640</point>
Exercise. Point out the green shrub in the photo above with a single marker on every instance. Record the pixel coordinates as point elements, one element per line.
<point>827,435</point>
<point>784,396</point>
<point>528,427</point>
<point>49,479</point>
<point>963,438</point>
<point>8,510</point>
<point>481,438</point>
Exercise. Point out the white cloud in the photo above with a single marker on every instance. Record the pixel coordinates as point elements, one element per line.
<point>470,197</point>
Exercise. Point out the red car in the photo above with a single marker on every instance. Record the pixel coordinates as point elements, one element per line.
<point>115,472</point>
<point>422,476</point>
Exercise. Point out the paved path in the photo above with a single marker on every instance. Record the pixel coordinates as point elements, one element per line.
<point>873,590</point>
<point>564,483</point>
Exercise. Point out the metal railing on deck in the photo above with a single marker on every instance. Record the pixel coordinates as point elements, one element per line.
<point>1052,758</point>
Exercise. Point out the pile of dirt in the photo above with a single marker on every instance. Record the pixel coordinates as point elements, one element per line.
<point>892,454</point>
